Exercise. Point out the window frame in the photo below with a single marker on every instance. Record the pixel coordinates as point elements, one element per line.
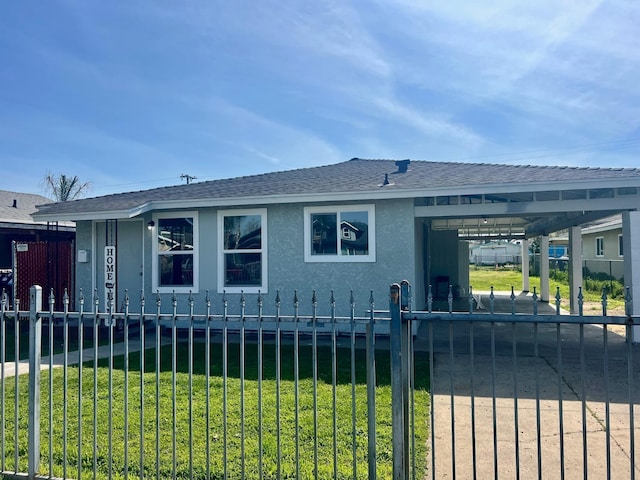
<point>620,246</point>
<point>599,247</point>
<point>155,269</point>
<point>339,257</point>
<point>263,250</point>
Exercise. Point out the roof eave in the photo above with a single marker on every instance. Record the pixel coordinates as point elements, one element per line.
<point>387,192</point>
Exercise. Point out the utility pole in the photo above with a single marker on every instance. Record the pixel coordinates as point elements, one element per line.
<point>187,177</point>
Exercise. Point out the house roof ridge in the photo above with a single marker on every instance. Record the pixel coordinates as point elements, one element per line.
<point>498,164</point>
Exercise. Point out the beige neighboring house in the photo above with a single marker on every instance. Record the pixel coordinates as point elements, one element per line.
<point>603,247</point>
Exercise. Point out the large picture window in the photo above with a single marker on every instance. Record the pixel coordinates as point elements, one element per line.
<point>175,250</point>
<point>242,253</point>
<point>340,233</point>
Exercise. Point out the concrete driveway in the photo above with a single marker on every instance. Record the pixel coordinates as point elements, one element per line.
<point>544,382</point>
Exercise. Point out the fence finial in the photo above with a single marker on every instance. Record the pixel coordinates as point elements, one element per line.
<point>52,299</point>
<point>628,302</point>
<point>580,301</point>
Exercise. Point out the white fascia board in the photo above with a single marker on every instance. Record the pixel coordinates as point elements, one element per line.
<point>524,208</point>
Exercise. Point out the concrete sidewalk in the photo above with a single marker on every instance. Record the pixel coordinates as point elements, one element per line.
<point>87,355</point>
<point>539,387</point>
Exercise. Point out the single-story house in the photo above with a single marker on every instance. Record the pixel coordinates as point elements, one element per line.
<point>291,230</point>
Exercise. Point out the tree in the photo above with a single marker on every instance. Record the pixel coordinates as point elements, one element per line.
<point>63,187</point>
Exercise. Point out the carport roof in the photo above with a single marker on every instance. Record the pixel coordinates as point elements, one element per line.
<point>355,179</point>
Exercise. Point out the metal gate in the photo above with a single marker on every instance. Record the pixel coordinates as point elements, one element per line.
<point>530,394</point>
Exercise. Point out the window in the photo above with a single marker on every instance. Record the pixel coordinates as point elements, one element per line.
<point>599,246</point>
<point>620,246</point>
<point>175,253</point>
<point>339,234</point>
<point>242,238</point>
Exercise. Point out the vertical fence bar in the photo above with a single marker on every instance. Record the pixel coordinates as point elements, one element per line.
<point>473,398</point>
<point>406,369</point>
<point>607,411</point>
<point>452,405</point>
<point>3,358</point>
<point>225,373</point>
<point>515,391</point>
<point>142,367</point>
<point>354,444</point>
<point>16,381</point>
<point>65,381</point>
<point>260,369</point>
<point>296,378</point>
<point>80,390</point>
<point>96,325</point>
<point>158,365</point>
<point>51,348</point>
<point>431,402</point>
<point>125,433</point>
<point>397,414</point>
<point>278,373</point>
<point>560,400</point>
<point>493,393</point>
<point>242,367</point>
<point>334,382</point>
<point>174,368</point>
<point>314,366</point>
<point>536,358</point>
<point>632,442</point>
<point>207,389</point>
<point>35,352</point>
<point>190,333</point>
<point>583,379</point>
<point>111,321</point>
<point>371,391</point>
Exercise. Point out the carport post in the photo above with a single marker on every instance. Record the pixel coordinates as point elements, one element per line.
<point>544,268</point>
<point>631,245</point>
<point>524,264</point>
<point>575,266</point>
<point>35,341</point>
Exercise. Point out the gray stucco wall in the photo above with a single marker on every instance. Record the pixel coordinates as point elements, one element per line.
<point>395,261</point>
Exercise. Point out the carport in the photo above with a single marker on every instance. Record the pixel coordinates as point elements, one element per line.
<point>445,222</point>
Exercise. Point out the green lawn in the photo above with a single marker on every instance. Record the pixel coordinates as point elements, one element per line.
<point>502,279</point>
<point>216,432</point>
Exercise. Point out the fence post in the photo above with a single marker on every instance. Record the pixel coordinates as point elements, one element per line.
<point>398,413</point>
<point>35,341</point>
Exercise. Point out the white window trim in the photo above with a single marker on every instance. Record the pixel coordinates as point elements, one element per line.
<point>371,211</point>
<point>620,242</point>
<point>155,284</point>
<point>599,240</point>
<point>264,251</point>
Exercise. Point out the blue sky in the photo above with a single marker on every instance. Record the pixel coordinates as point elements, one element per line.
<point>130,94</point>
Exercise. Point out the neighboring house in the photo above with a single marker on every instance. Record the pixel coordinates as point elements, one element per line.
<point>354,226</point>
<point>603,247</point>
<point>42,249</point>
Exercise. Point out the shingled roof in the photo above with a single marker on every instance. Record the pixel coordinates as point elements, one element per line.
<point>366,178</point>
<point>16,207</point>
